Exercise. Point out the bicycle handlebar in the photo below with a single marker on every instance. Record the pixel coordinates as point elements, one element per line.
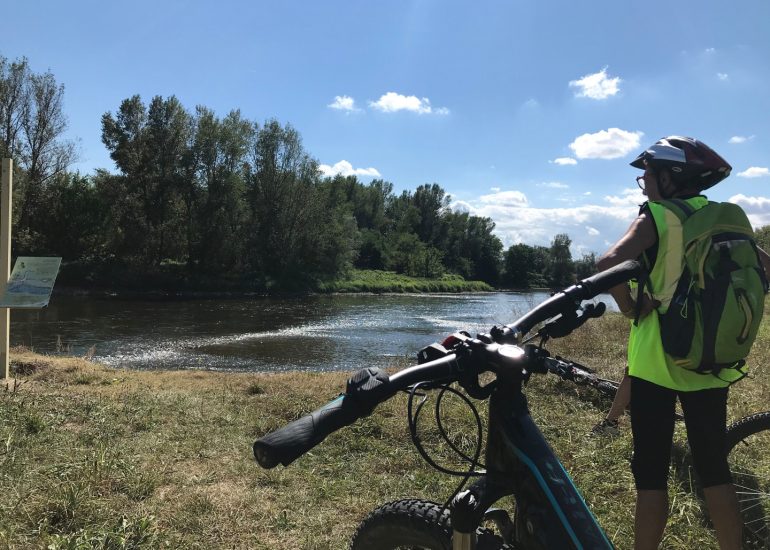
<point>366,389</point>
<point>562,301</point>
<point>369,387</point>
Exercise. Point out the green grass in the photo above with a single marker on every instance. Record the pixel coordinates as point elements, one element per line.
<point>362,280</point>
<point>98,458</point>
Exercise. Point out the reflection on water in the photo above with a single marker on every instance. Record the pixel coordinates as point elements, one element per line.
<point>328,332</point>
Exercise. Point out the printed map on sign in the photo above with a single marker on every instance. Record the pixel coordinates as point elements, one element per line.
<point>31,282</point>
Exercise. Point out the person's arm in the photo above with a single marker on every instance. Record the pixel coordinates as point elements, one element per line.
<point>639,237</point>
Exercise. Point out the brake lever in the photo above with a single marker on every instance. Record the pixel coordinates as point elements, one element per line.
<point>567,322</point>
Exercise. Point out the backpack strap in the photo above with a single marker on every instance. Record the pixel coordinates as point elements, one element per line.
<point>679,207</point>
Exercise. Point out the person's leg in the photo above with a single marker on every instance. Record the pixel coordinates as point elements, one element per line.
<point>609,426</point>
<point>652,426</point>
<point>622,399</point>
<point>705,414</point>
<point>650,518</point>
<point>723,509</point>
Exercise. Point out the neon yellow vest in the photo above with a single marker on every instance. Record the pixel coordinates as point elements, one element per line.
<point>646,358</point>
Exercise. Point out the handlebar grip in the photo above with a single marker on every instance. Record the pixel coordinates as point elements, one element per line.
<point>602,282</point>
<point>288,443</point>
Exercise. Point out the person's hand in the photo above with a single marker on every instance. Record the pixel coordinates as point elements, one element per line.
<point>648,304</point>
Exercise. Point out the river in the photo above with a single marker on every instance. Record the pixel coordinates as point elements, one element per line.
<point>321,332</point>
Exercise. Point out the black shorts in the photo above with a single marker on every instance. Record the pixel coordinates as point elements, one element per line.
<point>652,425</point>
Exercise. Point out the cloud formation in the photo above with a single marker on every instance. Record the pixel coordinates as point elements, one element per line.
<point>606,144</point>
<point>506,198</point>
<point>596,86</point>
<point>592,228</point>
<point>757,208</point>
<point>564,161</point>
<point>344,103</point>
<point>553,185</point>
<point>754,172</point>
<point>392,102</point>
<point>740,139</point>
<point>628,197</point>
<point>344,168</point>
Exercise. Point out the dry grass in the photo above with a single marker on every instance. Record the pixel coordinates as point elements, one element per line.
<point>92,457</point>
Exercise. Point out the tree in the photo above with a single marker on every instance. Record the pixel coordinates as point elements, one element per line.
<point>585,266</point>
<point>518,262</point>
<point>215,199</point>
<point>762,236</point>
<point>32,125</point>
<point>151,147</point>
<point>485,249</point>
<point>560,270</point>
<point>430,202</point>
<point>290,221</point>
<point>538,270</point>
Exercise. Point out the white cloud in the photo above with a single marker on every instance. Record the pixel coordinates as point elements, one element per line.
<point>756,208</point>
<point>344,168</point>
<point>628,197</point>
<point>531,103</point>
<point>596,86</point>
<point>740,139</point>
<point>392,102</point>
<point>506,198</point>
<point>591,227</point>
<point>462,207</point>
<point>605,144</point>
<point>710,50</point>
<point>494,189</point>
<point>563,161</point>
<point>754,172</point>
<point>344,103</point>
<point>553,185</point>
<point>723,76</point>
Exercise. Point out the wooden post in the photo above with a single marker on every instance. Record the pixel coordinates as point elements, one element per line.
<point>6,196</point>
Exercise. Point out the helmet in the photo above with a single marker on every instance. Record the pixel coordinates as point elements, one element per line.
<point>692,163</point>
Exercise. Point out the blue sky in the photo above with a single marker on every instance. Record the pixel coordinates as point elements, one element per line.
<point>527,112</point>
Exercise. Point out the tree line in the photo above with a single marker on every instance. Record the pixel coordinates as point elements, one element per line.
<point>200,199</point>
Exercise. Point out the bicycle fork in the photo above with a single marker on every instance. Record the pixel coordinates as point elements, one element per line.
<point>468,512</point>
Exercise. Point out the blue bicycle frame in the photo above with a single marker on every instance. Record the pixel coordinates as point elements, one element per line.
<point>550,512</point>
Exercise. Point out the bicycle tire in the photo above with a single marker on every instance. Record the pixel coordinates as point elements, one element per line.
<point>748,445</point>
<point>414,524</point>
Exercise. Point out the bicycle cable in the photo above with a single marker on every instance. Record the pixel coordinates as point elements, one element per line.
<point>413,417</point>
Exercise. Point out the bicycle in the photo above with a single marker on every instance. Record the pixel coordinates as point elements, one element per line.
<point>549,511</point>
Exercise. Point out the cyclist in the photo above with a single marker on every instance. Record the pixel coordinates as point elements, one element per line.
<point>674,167</point>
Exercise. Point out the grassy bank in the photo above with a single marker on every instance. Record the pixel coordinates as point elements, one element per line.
<point>97,458</point>
<point>363,280</point>
<point>173,278</point>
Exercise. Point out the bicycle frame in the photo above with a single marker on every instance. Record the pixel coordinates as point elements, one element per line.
<point>550,512</point>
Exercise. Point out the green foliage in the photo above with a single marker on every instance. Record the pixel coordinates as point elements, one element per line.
<point>364,280</point>
<point>762,236</point>
<point>202,201</point>
<point>585,266</point>
<point>560,269</point>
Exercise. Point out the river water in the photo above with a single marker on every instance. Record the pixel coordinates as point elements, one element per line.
<point>324,332</point>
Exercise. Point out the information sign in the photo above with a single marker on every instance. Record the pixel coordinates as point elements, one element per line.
<point>31,282</point>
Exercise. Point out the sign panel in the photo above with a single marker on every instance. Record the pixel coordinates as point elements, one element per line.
<point>31,283</point>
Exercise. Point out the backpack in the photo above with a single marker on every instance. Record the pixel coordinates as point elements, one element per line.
<point>715,312</point>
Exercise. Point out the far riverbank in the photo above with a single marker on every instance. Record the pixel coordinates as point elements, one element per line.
<point>169,282</point>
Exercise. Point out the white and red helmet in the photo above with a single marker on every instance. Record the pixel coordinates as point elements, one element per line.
<point>691,162</point>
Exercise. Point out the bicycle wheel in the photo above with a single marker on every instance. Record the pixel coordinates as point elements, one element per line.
<point>748,447</point>
<point>414,524</point>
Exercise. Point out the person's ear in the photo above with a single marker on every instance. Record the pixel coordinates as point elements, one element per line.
<point>666,184</point>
